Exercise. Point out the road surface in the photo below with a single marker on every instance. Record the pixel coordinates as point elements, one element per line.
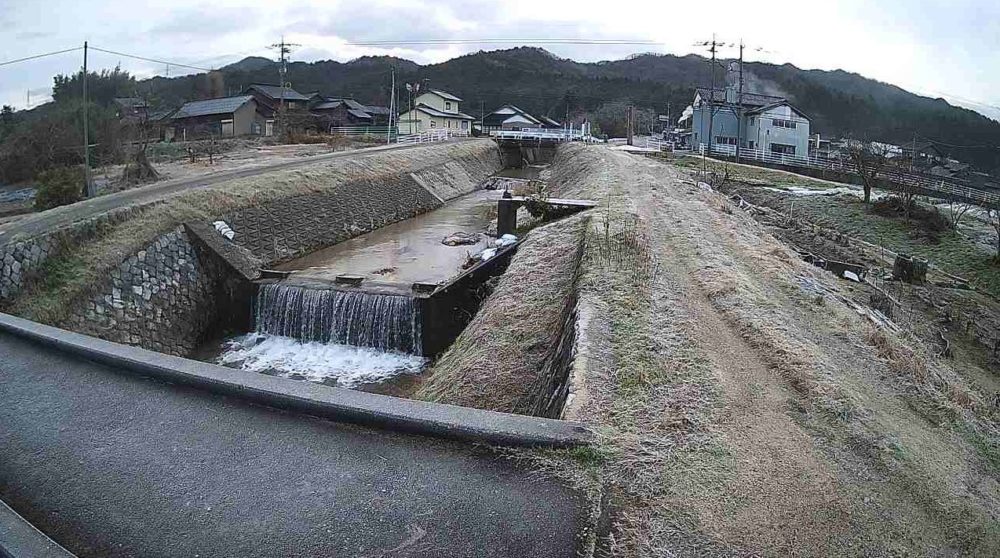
<point>48,220</point>
<point>111,464</point>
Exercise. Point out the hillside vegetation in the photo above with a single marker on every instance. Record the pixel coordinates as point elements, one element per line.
<point>839,103</point>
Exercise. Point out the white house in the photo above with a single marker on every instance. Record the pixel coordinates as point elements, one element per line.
<point>433,110</point>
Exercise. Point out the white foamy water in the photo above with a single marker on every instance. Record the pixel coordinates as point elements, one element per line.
<point>315,361</point>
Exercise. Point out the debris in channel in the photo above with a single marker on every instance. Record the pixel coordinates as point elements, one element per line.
<point>460,239</point>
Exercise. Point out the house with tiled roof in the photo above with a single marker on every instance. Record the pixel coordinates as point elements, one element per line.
<point>225,117</point>
<point>271,97</point>
<point>435,110</point>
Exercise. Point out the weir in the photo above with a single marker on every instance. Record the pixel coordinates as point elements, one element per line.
<point>363,319</point>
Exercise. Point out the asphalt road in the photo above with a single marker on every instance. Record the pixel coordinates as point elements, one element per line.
<point>110,464</point>
<point>47,220</point>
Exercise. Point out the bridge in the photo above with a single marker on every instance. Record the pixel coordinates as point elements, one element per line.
<point>117,451</point>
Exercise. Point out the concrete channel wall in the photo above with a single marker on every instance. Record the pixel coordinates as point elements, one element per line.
<point>166,296</point>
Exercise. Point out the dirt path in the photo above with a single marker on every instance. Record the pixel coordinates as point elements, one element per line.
<point>811,437</point>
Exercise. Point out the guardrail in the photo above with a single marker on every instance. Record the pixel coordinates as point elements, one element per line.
<point>900,179</point>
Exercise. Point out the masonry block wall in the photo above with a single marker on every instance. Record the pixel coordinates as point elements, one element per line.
<point>164,297</point>
<point>160,298</point>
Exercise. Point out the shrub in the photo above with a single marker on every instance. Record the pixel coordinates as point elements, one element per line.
<point>59,186</point>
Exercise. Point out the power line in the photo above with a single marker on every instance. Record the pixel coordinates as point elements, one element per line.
<point>566,41</point>
<point>126,55</point>
<point>35,57</point>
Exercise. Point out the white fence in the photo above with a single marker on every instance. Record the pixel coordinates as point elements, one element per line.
<point>924,184</point>
<point>437,134</point>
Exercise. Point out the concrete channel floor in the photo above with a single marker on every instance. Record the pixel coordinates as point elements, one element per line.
<point>111,464</point>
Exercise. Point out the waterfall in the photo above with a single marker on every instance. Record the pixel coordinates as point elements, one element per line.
<point>384,322</point>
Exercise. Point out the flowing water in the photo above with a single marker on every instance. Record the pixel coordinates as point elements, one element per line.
<point>346,338</point>
<point>381,321</point>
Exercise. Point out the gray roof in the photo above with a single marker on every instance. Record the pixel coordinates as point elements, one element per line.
<point>777,104</point>
<point>359,113</point>
<point>274,92</point>
<point>549,121</point>
<point>440,114</point>
<point>749,99</point>
<point>328,105</point>
<point>444,94</point>
<point>225,105</point>
<point>375,109</point>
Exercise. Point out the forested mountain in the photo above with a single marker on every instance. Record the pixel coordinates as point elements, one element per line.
<point>839,103</point>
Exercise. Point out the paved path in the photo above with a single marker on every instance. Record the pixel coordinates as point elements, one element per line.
<point>48,220</point>
<point>110,464</point>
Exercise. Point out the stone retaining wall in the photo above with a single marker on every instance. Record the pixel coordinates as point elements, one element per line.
<point>161,298</point>
<point>168,296</point>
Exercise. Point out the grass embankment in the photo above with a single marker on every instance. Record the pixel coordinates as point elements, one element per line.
<point>498,361</point>
<point>80,267</point>
<point>742,413</point>
<point>954,251</point>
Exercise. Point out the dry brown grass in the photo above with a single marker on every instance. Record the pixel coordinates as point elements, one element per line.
<point>739,415</point>
<point>498,360</point>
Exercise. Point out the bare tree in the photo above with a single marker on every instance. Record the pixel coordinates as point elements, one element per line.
<point>957,210</point>
<point>138,132</point>
<point>869,160</point>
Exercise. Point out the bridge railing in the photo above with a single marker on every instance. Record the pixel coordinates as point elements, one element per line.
<point>550,134</point>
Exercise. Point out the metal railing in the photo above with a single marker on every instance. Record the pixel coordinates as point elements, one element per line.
<point>553,134</point>
<point>354,131</point>
<point>436,134</point>
<point>897,179</point>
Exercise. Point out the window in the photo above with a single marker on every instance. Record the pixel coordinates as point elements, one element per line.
<point>782,149</point>
<point>434,124</point>
<point>465,124</point>
<point>725,140</point>
<point>778,123</point>
<point>449,123</point>
<point>751,121</point>
<point>750,144</point>
<point>447,105</point>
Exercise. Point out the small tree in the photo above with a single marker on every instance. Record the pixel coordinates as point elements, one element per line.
<point>138,132</point>
<point>59,186</point>
<point>956,210</point>
<point>869,159</point>
<point>993,218</point>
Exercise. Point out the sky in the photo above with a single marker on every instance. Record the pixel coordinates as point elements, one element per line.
<point>936,48</point>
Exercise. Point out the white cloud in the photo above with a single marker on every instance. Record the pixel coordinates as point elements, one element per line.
<point>929,45</point>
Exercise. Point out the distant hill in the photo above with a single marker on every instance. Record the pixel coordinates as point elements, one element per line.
<point>839,103</point>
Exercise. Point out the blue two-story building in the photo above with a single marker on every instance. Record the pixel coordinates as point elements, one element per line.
<point>764,123</point>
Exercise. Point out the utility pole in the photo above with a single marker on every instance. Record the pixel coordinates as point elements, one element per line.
<point>392,103</point>
<point>629,118</point>
<point>88,186</point>
<point>711,99</point>
<point>284,49</point>
<point>739,109</point>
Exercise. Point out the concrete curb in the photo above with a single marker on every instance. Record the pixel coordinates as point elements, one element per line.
<point>381,411</point>
<point>20,539</point>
